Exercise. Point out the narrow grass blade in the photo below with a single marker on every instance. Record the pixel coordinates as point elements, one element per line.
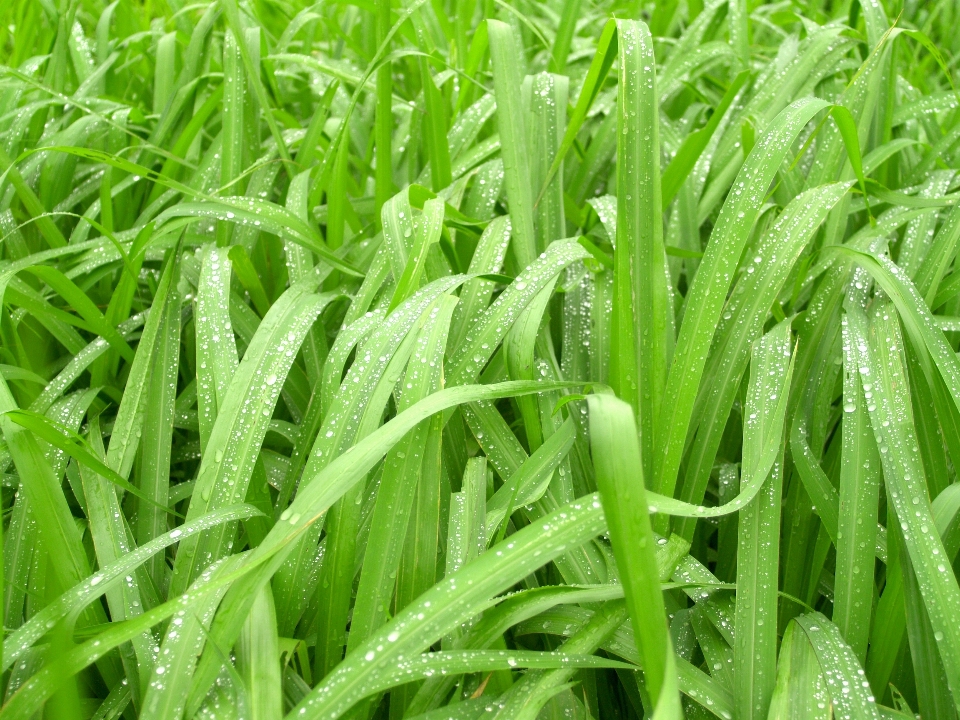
<point>849,696</point>
<point>859,497</point>
<point>384,109</point>
<point>489,329</point>
<point>110,576</point>
<point>694,144</point>
<point>892,423</point>
<point>600,66</point>
<point>741,323</point>
<point>639,276</point>
<point>617,459</point>
<point>513,140</point>
<point>125,440</point>
<point>759,537</point>
<point>258,659</point>
<point>471,588</point>
<point>238,432</point>
<point>157,440</point>
<point>398,485</point>
<point>706,295</point>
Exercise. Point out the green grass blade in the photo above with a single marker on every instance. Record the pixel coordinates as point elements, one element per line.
<point>933,690</point>
<point>238,432</point>
<point>156,442</point>
<point>639,255</point>
<point>706,295</point>
<point>694,144</point>
<point>527,698</point>
<point>487,258</point>
<point>323,487</point>
<point>514,143</point>
<point>603,60</point>
<point>753,296</point>
<point>548,102</point>
<point>124,440</point>
<point>489,329</point>
<point>258,659</point>
<point>839,665</point>
<point>84,306</point>
<point>435,130</point>
<point>800,691</point>
<point>904,477</point>
<point>72,445</point>
<point>110,576</point>
<point>427,234</point>
<point>617,461</point>
<point>216,349</point>
<point>398,485</point>
<point>758,548</point>
<point>472,587</point>
<point>859,497</point>
<point>384,109</point>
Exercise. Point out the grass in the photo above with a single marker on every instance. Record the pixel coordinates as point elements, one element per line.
<point>458,359</point>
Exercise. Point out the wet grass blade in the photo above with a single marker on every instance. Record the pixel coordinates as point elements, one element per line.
<point>403,469</point>
<point>617,460</point>
<point>311,318</point>
<point>859,497</point>
<point>640,276</point>
<point>892,423</point>
<point>840,667</point>
<point>758,547</point>
<point>706,295</point>
<point>505,56</point>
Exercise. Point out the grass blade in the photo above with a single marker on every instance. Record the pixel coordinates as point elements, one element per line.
<point>758,548</point>
<point>513,139</point>
<point>859,497</point>
<point>705,297</point>
<point>639,277</point>
<point>625,507</point>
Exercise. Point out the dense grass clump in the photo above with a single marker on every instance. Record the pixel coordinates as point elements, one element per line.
<point>461,359</point>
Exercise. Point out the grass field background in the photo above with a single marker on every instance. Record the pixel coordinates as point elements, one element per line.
<point>460,359</point>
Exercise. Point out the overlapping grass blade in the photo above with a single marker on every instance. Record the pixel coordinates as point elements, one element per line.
<point>256,258</point>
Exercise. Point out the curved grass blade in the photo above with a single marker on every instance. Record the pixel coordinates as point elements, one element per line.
<point>706,295</point>
<point>109,576</point>
<point>235,440</point>
<point>599,68</point>
<point>849,691</point>
<point>892,423</point>
<point>695,143</point>
<point>74,446</point>
<point>746,311</point>
<point>398,483</point>
<point>801,691</point>
<point>326,486</point>
<point>691,681</point>
<point>446,605</point>
<point>125,440</point>
<point>526,699</point>
<point>489,329</point>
